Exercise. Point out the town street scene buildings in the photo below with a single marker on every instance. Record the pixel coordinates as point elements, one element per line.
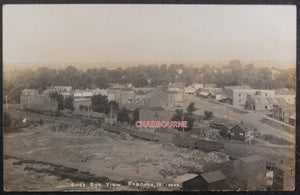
<point>149,98</point>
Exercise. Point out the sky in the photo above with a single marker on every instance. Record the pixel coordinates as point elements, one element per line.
<point>57,34</point>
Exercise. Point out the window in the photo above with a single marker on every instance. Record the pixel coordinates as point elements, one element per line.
<point>239,94</point>
<point>266,107</point>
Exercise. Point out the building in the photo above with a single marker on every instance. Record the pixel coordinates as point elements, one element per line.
<point>175,88</point>
<point>29,92</point>
<point>283,112</point>
<point>242,132</point>
<point>98,91</point>
<point>290,99</point>
<point>161,98</point>
<point>140,97</point>
<point>82,104</point>
<point>261,103</point>
<point>198,86</point>
<point>143,89</point>
<point>250,172</point>
<point>209,181</point>
<point>114,94</point>
<point>63,90</point>
<point>127,96</point>
<point>210,85</point>
<point>30,99</point>
<point>177,97</point>
<point>79,94</point>
<point>189,90</point>
<point>154,114</point>
<point>283,178</point>
<point>239,96</point>
<point>206,95</point>
<point>292,120</point>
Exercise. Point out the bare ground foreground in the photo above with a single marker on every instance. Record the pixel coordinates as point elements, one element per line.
<point>78,157</point>
<point>119,157</point>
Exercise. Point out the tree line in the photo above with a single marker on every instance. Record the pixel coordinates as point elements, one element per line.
<point>233,73</point>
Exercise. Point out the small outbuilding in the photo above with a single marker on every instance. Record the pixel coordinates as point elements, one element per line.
<point>209,181</point>
<point>283,178</point>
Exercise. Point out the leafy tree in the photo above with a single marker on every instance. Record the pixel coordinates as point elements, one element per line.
<point>102,105</point>
<point>123,116</point>
<point>233,73</point>
<point>68,103</point>
<point>101,82</point>
<point>223,132</point>
<point>208,115</point>
<point>180,116</point>
<point>191,108</point>
<point>59,98</point>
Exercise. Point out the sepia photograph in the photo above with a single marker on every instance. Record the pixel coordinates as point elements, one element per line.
<point>149,97</point>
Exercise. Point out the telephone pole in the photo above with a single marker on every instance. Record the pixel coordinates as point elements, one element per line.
<point>49,106</point>
<point>182,121</point>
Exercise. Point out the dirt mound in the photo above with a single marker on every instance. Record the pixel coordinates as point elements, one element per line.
<point>169,146</point>
<point>77,128</point>
<point>216,157</point>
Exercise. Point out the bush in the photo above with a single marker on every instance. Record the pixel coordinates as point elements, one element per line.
<point>223,132</point>
<point>208,115</point>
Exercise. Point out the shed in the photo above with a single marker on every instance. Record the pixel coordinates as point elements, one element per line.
<point>292,120</point>
<point>283,178</point>
<point>214,180</point>
<point>250,172</point>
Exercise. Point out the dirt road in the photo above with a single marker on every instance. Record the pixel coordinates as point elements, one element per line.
<point>252,118</point>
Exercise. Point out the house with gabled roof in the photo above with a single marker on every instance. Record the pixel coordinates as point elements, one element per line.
<point>208,181</point>
<point>242,132</point>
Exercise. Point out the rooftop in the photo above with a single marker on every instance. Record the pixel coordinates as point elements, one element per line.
<point>29,91</point>
<point>213,176</point>
<point>269,100</point>
<point>245,127</point>
<point>140,93</point>
<point>293,116</point>
<point>238,87</point>
<point>127,89</point>
<point>185,177</point>
<point>157,109</point>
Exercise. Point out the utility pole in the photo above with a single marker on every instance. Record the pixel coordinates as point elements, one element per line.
<point>27,101</point>
<point>182,121</point>
<point>111,114</point>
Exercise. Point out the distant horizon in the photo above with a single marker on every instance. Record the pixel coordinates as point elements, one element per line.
<point>113,65</point>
